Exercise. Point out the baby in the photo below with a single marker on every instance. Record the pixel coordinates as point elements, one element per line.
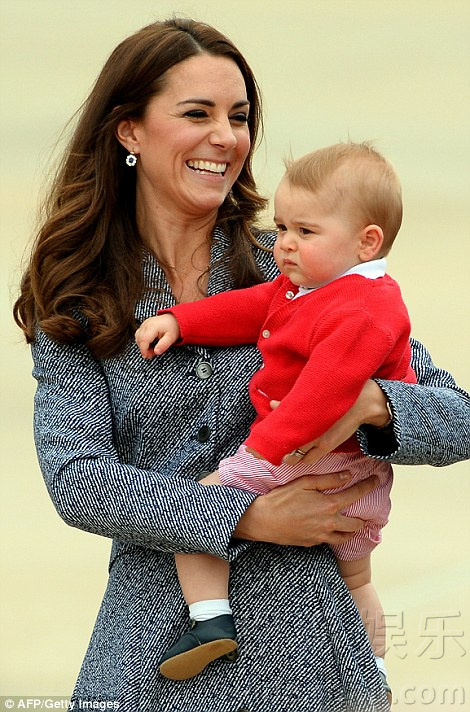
<point>332,320</point>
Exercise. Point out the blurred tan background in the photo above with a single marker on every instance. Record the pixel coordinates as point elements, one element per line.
<point>395,71</point>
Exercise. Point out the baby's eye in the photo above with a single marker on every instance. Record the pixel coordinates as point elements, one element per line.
<point>280,227</point>
<point>305,231</point>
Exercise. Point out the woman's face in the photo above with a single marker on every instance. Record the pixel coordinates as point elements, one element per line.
<point>193,139</point>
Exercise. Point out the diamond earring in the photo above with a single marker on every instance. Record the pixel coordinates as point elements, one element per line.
<point>131,159</point>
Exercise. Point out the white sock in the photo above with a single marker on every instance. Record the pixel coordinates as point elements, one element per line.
<point>381,665</point>
<point>205,610</point>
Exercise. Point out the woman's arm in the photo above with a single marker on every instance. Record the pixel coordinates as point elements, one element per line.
<point>431,420</point>
<point>93,490</point>
<point>89,485</point>
<point>299,514</point>
<point>430,424</point>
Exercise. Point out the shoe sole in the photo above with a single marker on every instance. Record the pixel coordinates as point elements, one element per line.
<point>191,663</point>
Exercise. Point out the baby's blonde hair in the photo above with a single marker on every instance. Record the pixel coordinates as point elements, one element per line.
<point>355,180</point>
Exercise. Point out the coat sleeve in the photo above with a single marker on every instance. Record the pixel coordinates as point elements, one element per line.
<point>93,490</point>
<point>431,419</point>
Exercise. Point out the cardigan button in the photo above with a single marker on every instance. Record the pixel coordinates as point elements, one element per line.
<point>204,370</point>
<point>290,294</point>
<point>266,333</point>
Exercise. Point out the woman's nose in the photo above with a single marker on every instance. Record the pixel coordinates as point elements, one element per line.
<point>222,135</point>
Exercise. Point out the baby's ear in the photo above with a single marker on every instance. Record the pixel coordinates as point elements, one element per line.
<point>370,242</point>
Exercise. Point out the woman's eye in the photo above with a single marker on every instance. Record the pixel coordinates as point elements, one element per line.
<point>239,118</point>
<point>196,114</point>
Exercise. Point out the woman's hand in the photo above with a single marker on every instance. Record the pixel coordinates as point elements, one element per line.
<point>369,408</point>
<point>299,514</point>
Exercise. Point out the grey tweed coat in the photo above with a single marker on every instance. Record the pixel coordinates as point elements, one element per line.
<point>121,444</point>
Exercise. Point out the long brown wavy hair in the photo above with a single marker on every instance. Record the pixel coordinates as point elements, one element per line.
<point>87,254</point>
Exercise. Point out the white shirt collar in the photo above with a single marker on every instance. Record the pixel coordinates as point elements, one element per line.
<point>371,270</point>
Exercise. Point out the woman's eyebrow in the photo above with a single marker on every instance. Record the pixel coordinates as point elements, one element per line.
<point>209,102</point>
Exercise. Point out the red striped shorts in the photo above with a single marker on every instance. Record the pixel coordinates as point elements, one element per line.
<point>247,472</point>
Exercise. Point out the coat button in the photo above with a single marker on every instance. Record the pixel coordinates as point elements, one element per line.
<point>266,333</point>
<point>290,295</point>
<point>204,370</point>
<point>203,434</point>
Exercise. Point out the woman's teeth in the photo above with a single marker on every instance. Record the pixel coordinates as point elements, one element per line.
<point>207,167</point>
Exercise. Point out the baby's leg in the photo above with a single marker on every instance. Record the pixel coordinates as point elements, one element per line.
<point>202,577</point>
<point>212,479</point>
<point>357,576</point>
<point>204,582</point>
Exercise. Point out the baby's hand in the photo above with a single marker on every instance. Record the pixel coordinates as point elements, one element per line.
<point>165,328</point>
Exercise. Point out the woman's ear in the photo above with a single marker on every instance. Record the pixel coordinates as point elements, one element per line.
<point>126,135</point>
<point>370,242</point>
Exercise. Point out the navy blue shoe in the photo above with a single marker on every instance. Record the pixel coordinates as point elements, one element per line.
<point>204,642</point>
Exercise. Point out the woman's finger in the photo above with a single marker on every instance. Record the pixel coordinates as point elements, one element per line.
<point>347,496</point>
<point>299,455</point>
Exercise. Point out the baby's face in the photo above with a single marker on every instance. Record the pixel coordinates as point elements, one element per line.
<point>313,246</point>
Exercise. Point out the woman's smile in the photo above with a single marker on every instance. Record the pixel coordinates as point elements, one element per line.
<point>207,167</point>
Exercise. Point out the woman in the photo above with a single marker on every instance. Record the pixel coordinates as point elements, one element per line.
<point>155,203</point>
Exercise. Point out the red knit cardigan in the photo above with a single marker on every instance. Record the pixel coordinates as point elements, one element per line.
<point>318,350</point>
